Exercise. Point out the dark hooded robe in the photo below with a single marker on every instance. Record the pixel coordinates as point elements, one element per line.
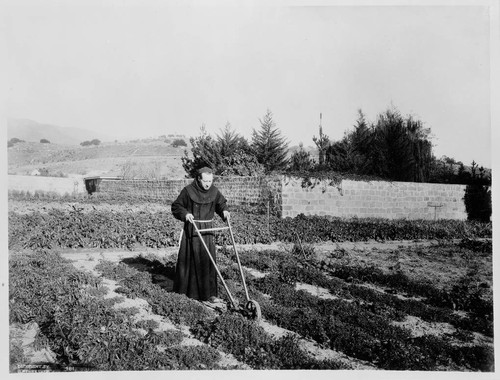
<point>195,275</point>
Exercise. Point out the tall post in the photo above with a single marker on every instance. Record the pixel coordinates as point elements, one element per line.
<point>321,142</point>
<point>321,152</point>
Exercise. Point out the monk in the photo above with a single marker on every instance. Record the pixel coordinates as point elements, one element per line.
<point>195,275</point>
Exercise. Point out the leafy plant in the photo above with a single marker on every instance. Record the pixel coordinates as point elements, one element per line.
<point>249,342</point>
<point>102,229</point>
<point>84,331</point>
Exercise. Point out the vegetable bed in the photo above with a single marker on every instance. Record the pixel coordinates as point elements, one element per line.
<point>365,316</point>
<point>71,228</point>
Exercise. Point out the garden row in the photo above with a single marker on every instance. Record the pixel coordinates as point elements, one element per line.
<point>130,199</point>
<point>104,229</point>
<point>82,328</point>
<point>86,333</point>
<point>422,298</point>
<point>360,321</point>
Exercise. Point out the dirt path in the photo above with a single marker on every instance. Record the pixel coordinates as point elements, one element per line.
<point>88,259</point>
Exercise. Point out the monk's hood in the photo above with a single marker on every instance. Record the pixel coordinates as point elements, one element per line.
<point>200,195</point>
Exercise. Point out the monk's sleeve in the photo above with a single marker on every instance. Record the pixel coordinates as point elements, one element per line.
<point>179,207</point>
<point>220,205</point>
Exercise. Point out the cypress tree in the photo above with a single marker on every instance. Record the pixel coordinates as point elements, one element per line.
<point>269,146</point>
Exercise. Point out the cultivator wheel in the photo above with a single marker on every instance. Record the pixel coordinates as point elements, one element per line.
<point>253,310</point>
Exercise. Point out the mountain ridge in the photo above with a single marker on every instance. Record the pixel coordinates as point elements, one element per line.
<point>34,131</point>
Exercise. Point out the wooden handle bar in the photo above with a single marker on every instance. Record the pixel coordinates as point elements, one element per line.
<point>214,229</point>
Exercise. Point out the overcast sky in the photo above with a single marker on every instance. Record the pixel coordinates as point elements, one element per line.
<point>148,68</point>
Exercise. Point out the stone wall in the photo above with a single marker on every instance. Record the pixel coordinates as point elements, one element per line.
<point>287,198</point>
<point>237,190</point>
<point>391,200</point>
<point>149,189</point>
<point>251,190</point>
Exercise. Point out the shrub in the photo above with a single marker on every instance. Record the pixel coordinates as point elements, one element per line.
<point>91,142</point>
<point>478,202</point>
<point>178,142</point>
<point>13,141</point>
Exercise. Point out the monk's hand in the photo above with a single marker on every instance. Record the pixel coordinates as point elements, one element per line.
<point>190,218</point>
<point>227,215</point>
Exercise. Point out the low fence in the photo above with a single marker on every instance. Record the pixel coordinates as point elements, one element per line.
<point>58,185</point>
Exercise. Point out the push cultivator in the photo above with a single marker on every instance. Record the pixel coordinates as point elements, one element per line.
<point>251,308</point>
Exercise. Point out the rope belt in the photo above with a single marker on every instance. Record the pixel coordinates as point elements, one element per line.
<point>203,230</point>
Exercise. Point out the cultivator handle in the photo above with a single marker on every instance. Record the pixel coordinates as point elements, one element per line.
<point>198,231</point>
<point>209,229</point>
<point>251,308</point>
<point>213,229</point>
<point>238,259</point>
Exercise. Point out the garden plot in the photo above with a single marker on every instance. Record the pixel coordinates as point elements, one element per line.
<point>36,347</point>
<point>88,259</point>
<point>287,321</point>
<point>419,303</point>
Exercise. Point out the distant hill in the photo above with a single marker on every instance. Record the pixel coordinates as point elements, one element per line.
<point>33,131</point>
<point>145,158</point>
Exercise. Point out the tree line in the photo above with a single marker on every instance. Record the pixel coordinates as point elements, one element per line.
<point>394,148</point>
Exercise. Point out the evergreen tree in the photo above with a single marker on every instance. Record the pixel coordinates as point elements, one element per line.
<point>478,195</point>
<point>301,160</point>
<point>322,142</point>
<point>227,154</point>
<point>339,155</point>
<point>228,141</point>
<point>393,158</point>
<point>236,155</point>
<point>442,170</point>
<point>361,140</point>
<point>421,150</point>
<point>395,148</point>
<point>205,152</point>
<point>269,147</point>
